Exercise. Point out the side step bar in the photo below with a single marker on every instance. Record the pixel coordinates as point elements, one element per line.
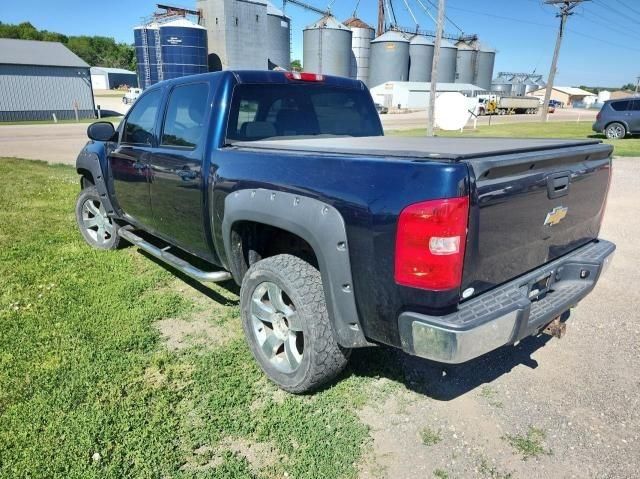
<point>174,261</point>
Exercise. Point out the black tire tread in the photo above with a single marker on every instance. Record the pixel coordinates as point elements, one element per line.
<point>327,357</point>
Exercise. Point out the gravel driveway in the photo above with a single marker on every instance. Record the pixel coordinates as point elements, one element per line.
<point>547,408</point>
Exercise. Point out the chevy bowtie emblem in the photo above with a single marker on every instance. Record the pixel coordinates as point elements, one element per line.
<point>556,215</point>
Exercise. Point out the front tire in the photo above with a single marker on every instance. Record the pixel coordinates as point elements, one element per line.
<point>97,229</point>
<point>615,131</point>
<point>287,326</point>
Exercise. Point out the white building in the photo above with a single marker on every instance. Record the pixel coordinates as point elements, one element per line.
<point>415,95</point>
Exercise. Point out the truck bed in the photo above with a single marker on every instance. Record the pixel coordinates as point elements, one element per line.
<point>424,148</point>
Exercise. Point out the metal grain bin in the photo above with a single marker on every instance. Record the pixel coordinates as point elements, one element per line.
<point>362,34</point>
<point>389,58</point>
<point>420,58</point>
<point>484,71</point>
<point>327,47</point>
<point>183,48</point>
<point>278,38</point>
<point>447,63</point>
<point>466,62</point>
<point>502,88</point>
<point>149,68</point>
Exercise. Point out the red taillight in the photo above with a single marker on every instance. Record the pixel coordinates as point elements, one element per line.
<point>304,76</point>
<point>430,243</point>
<point>598,116</point>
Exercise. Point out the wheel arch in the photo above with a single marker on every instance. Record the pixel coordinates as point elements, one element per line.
<point>88,166</point>
<point>315,223</point>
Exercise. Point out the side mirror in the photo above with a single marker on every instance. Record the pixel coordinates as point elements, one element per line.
<point>101,131</point>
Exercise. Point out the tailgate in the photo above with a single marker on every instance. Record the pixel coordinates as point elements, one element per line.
<point>530,208</point>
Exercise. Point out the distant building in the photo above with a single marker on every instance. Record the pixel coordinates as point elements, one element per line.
<point>618,94</point>
<point>414,95</point>
<point>568,95</point>
<point>103,78</point>
<point>38,79</point>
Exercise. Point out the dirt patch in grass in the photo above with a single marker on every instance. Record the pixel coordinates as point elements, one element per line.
<point>196,331</point>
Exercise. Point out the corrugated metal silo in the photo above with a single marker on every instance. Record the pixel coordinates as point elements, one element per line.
<point>484,71</point>
<point>327,47</point>
<point>147,45</point>
<point>501,87</point>
<point>420,58</point>
<point>389,58</point>
<point>278,38</point>
<point>183,48</point>
<point>518,89</point>
<point>362,34</point>
<point>447,63</point>
<point>466,62</point>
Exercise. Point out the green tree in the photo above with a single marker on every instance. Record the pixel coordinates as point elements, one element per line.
<point>628,86</point>
<point>296,65</point>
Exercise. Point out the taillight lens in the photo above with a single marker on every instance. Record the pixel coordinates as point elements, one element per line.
<point>598,116</point>
<point>430,243</point>
<point>303,76</point>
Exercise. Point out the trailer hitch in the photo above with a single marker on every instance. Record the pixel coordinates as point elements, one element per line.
<point>555,328</point>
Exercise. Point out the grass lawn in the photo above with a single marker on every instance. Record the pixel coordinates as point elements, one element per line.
<point>91,386</point>
<point>569,129</point>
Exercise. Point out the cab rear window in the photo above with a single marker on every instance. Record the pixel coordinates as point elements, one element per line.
<point>620,105</point>
<point>261,112</point>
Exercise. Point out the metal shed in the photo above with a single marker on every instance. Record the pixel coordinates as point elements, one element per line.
<point>103,78</point>
<point>38,79</point>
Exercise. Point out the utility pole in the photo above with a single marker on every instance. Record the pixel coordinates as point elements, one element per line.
<point>434,69</point>
<point>637,84</point>
<point>566,7</point>
<point>380,18</point>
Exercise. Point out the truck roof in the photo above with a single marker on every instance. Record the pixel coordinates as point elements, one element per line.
<point>445,148</point>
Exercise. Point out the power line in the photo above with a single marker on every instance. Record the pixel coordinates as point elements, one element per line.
<point>606,25</point>
<point>637,12</point>
<point>426,10</point>
<point>446,17</point>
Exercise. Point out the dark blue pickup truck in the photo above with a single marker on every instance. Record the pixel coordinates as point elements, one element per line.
<point>339,236</point>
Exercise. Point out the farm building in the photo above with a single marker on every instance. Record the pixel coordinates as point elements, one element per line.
<point>39,79</point>
<point>415,95</point>
<point>103,78</point>
<point>568,95</point>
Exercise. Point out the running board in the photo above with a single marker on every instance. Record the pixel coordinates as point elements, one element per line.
<point>174,261</point>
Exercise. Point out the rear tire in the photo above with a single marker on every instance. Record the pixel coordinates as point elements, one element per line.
<point>287,326</point>
<point>97,229</point>
<point>615,131</point>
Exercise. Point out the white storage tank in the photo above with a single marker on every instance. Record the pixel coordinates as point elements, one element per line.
<point>362,34</point>
<point>327,47</point>
<point>389,58</point>
<point>420,58</point>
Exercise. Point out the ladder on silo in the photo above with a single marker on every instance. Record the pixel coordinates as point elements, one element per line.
<point>159,55</point>
<point>145,56</point>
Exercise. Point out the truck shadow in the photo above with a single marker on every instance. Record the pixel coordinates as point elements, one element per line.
<point>443,382</point>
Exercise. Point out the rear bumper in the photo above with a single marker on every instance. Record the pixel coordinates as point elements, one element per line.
<point>508,313</point>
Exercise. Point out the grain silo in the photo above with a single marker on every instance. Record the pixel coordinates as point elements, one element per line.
<point>420,58</point>
<point>466,62</point>
<point>183,48</point>
<point>147,44</point>
<point>362,34</point>
<point>447,63</point>
<point>484,70</point>
<point>278,38</point>
<point>327,47</point>
<point>389,58</point>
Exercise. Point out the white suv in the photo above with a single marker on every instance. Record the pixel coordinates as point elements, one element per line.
<point>131,95</point>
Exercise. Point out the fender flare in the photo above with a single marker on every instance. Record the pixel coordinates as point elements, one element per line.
<point>90,162</point>
<point>319,224</point>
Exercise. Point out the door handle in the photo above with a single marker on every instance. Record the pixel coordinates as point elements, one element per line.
<point>558,185</point>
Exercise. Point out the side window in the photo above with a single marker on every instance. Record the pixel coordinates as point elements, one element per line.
<point>138,129</point>
<point>620,105</point>
<point>186,116</point>
<point>635,105</point>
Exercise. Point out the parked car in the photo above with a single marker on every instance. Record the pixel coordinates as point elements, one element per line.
<point>618,118</point>
<point>340,237</point>
<point>131,95</point>
<point>381,109</point>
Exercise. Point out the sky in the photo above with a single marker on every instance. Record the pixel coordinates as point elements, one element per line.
<point>601,45</point>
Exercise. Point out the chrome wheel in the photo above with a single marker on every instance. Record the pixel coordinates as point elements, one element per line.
<point>615,131</point>
<point>277,327</point>
<point>98,226</point>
